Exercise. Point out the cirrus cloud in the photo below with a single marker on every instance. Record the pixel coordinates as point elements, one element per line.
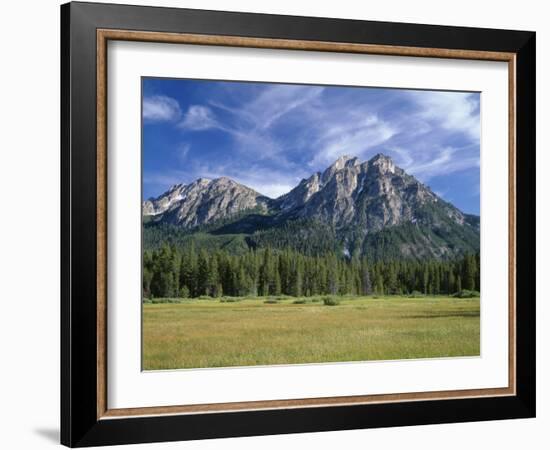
<point>454,111</point>
<point>199,118</point>
<point>160,108</point>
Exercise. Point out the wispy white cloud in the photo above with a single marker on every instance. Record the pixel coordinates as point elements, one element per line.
<point>332,129</point>
<point>270,182</point>
<point>160,108</point>
<point>427,168</point>
<point>277,101</point>
<point>402,157</point>
<point>199,118</point>
<point>252,122</point>
<point>345,136</point>
<point>436,161</point>
<point>183,150</point>
<point>454,111</point>
<point>328,128</point>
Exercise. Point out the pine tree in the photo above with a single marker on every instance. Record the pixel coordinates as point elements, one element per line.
<point>379,284</point>
<point>391,285</point>
<point>297,279</point>
<point>203,274</point>
<point>333,282</point>
<point>184,292</point>
<point>297,284</point>
<point>188,270</point>
<point>277,284</point>
<point>451,283</point>
<point>212,279</point>
<point>478,271</point>
<point>425,280</point>
<point>469,272</point>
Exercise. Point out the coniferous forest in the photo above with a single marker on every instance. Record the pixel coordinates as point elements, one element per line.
<point>170,271</point>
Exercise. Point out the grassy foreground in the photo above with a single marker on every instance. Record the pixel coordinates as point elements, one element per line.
<point>211,333</point>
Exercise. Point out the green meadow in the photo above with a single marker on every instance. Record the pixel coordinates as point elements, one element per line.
<point>196,333</point>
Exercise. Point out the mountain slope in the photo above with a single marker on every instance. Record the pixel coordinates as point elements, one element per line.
<point>204,201</point>
<point>372,208</point>
<point>375,194</point>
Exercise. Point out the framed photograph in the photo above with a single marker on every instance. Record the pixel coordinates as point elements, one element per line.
<point>276,224</point>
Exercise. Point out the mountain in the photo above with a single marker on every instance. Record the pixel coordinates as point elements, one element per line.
<point>204,201</point>
<point>374,194</point>
<point>371,208</point>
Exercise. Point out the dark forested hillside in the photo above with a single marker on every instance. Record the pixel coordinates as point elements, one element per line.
<point>313,237</point>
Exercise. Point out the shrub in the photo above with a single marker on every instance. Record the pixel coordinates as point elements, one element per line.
<point>330,301</point>
<point>205,297</point>
<point>184,292</point>
<point>465,293</point>
<point>271,301</point>
<point>165,300</point>
<point>230,299</point>
<point>300,301</point>
<point>416,294</point>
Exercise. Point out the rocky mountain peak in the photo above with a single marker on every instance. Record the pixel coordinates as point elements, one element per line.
<point>203,201</point>
<point>384,163</point>
<point>223,180</point>
<point>370,195</point>
<point>176,187</point>
<point>380,157</point>
<point>342,162</point>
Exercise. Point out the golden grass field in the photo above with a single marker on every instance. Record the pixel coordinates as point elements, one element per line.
<point>210,333</point>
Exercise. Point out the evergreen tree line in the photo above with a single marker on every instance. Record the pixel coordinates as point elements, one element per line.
<point>171,271</point>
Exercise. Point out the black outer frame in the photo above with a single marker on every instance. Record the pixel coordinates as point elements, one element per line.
<point>79,424</point>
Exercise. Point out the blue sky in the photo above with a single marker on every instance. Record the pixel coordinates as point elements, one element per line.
<point>269,136</point>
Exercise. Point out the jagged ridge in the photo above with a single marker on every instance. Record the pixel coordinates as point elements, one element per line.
<point>369,205</point>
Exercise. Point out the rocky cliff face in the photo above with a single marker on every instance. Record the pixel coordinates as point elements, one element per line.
<point>374,194</point>
<point>203,201</point>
